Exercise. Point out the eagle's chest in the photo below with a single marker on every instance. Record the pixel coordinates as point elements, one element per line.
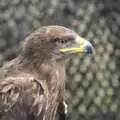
<point>55,93</point>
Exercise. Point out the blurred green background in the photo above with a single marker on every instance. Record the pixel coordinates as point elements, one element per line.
<point>93,82</point>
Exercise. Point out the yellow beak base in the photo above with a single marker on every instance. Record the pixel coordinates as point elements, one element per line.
<point>82,46</point>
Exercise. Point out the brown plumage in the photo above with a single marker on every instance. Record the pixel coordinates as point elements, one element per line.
<point>32,86</point>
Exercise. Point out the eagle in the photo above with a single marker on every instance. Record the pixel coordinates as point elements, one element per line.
<point>32,86</point>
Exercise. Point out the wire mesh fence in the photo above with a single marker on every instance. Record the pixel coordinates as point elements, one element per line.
<point>93,82</point>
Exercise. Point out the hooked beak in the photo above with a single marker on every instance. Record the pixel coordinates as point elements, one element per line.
<point>81,46</point>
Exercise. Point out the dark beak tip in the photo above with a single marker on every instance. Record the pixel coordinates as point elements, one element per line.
<point>89,48</point>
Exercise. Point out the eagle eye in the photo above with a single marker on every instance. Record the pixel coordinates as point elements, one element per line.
<point>63,41</point>
<point>60,40</point>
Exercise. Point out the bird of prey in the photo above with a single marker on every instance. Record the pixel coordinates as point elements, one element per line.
<point>32,86</point>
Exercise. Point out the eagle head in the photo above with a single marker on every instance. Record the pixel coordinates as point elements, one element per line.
<point>55,42</point>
